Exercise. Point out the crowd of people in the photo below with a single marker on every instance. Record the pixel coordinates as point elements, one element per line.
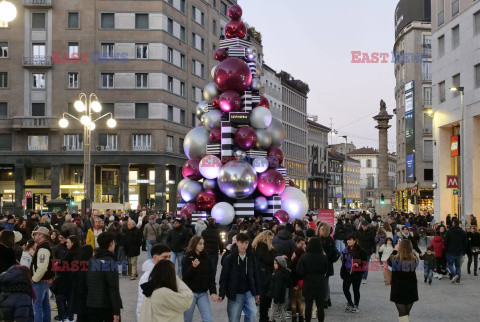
<point>278,269</point>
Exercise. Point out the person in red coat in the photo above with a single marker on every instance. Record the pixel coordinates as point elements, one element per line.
<point>439,249</point>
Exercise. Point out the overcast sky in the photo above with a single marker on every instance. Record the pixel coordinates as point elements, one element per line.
<point>313,41</point>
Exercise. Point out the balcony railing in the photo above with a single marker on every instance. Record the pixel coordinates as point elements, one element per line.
<point>427,77</point>
<point>37,61</point>
<point>37,3</point>
<point>34,122</point>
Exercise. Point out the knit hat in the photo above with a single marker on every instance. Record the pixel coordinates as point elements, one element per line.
<point>281,261</point>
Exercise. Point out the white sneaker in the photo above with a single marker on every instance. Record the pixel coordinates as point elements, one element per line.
<point>455,278</point>
<point>439,277</point>
<point>364,281</point>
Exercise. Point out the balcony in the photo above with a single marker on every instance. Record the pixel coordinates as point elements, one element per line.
<point>37,3</point>
<point>34,122</point>
<point>37,61</point>
<point>427,77</point>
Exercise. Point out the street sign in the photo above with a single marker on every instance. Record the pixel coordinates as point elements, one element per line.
<point>24,202</point>
<point>414,190</point>
<point>349,201</point>
<point>452,182</point>
<point>28,194</point>
<point>455,192</point>
<point>339,195</point>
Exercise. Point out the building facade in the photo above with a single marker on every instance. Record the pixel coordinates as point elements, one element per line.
<point>318,176</point>
<point>351,183</point>
<point>147,63</point>
<point>413,95</point>
<point>456,62</point>
<point>335,186</point>
<point>272,86</point>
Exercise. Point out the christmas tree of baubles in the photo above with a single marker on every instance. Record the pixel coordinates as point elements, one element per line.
<point>235,160</point>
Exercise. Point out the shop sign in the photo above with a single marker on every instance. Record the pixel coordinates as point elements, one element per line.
<point>454,148</point>
<point>452,182</point>
<point>455,192</point>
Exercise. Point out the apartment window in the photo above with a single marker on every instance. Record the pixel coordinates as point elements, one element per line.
<point>182,89</point>
<point>455,7</point>
<point>108,108</point>
<point>427,45</point>
<point>6,141</point>
<point>428,150</point>
<point>3,24</point>
<point>194,94</point>
<point>455,37</point>
<point>428,174</point>
<point>3,110</point>
<point>202,44</point>
<point>73,142</point>
<point>223,8</point>
<point>72,80</point>
<point>108,50</point>
<point>107,80</point>
<point>183,33</point>
<point>170,84</point>
<point>141,110</point>
<point>38,20</point>
<point>369,163</point>
<point>441,91</point>
<point>180,146</point>
<point>73,22</point>
<point>222,30</point>
<point>182,61</point>
<point>38,80</point>
<point>456,83</point>
<point>169,143</point>
<point>170,2</point>
<point>182,6</point>
<point>441,46</point>
<point>38,142</point>
<point>3,80</point>
<point>214,27</point>
<point>477,76</point>
<point>142,80</point>
<point>38,109</point>
<point>194,40</point>
<point>3,49</point>
<point>141,21</point>
<point>194,120</point>
<point>170,55</point>
<point>170,26</point>
<point>182,117</point>
<point>476,19</point>
<point>142,51</point>
<point>170,113</point>
<point>426,69</point>
<point>427,96</point>
<point>441,16</point>
<point>142,142</point>
<point>107,142</point>
<point>73,50</point>
<point>107,21</point>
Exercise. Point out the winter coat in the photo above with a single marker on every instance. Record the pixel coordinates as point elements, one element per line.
<point>16,296</point>
<point>386,251</point>
<point>339,232</point>
<point>78,297</point>
<point>366,240</point>
<point>92,236</point>
<point>349,258</point>
<point>279,284</point>
<point>133,242</point>
<point>293,267</point>
<point>72,229</point>
<point>103,285</point>
<point>64,278</point>
<point>200,226</point>
<point>284,244</point>
<point>404,289</point>
<point>330,250</point>
<point>473,241</point>
<point>60,251</point>
<point>199,279</point>
<point>455,241</point>
<point>211,238</point>
<point>429,261</point>
<point>178,238</point>
<point>438,246</point>
<point>380,240</point>
<point>312,267</point>
<point>165,227</point>
<point>152,231</point>
<point>265,258</point>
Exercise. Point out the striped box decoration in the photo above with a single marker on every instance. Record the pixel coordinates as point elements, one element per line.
<point>256,99</point>
<point>180,205</point>
<point>247,102</point>
<point>198,215</point>
<point>214,149</point>
<point>210,107</point>
<point>274,204</point>
<point>228,133</point>
<point>244,207</point>
<point>256,153</point>
<point>253,68</point>
<point>236,52</point>
<point>283,171</point>
<point>233,42</point>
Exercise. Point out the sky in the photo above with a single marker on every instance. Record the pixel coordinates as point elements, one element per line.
<point>313,40</point>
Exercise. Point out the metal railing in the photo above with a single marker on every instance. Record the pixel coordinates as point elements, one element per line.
<point>37,2</point>
<point>42,61</point>
<point>427,77</point>
<point>34,122</point>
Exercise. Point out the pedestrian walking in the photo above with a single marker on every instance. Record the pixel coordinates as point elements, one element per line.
<point>297,285</point>
<point>94,232</point>
<point>278,287</point>
<point>328,243</point>
<point>354,262</point>
<point>366,241</point>
<point>133,242</point>
<point>439,249</point>
<point>78,296</point>
<point>339,235</point>
<point>152,233</point>
<point>211,237</point>
<point>429,265</point>
<point>455,248</point>
<point>178,239</point>
<point>473,248</point>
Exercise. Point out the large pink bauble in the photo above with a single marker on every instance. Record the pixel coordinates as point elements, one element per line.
<point>235,12</point>
<point>220,54</point>
<point>282,216</point>
<point>275,151</point>
<point>230,101</point>
<point>233,74</point>
<point>271,182</point>
<point>188,209</point>
<point>215,135</point>
<point>263,102</point>
<point>190,169</point>
<point>235,29</point>
<point>206,200</point>
<point>245,138</point>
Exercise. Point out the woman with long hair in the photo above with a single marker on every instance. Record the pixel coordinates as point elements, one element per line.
<point>323,231</point>
<point>473,248</point>
<point>165,296</point>
<point>78,295</point>
<point>388,229</point>
<point>198,274</point>
<point>403,279</point>
<point>265,254</point>
<point>54,235</point>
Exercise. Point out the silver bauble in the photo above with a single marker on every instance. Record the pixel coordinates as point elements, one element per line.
<point>181,184</point>
<point>213,71</point>
<point>261,204</point>
<point>212,119</point>
<point>223,213</point>
<point>256,84</point>
<point>264,139</point>
<point>251,50</point>
<point>190,190</point>
<point>260,117</point>
<point>195,143</point>
<point>210,92</point>
<point>240,155</point>
<point>260,164</point>
<point>276,131</point>
<point>201,109</point>
<point>294,202</point>
<point>209,184</point>
<point>237,179</point>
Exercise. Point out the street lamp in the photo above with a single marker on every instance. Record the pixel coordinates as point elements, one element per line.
<point>462,153</point>
<point>8,11</point>
<point>345,173</point>
<point>89,107</point>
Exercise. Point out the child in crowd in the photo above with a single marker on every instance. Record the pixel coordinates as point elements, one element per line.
<point>386,250</point>
<point>279,284</point>
<point>396,235</point>
<point>297,283</point>
<point>429,264</point>
<point>439,248</point>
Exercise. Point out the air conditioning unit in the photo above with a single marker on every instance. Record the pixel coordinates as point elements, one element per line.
<point>64,148</point>
<point>427,131</point>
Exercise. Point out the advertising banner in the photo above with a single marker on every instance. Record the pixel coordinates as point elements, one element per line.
<point>454,147</point>
<point>327,215</point>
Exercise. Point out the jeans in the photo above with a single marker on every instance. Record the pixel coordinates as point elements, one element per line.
<point>454,259</point>
<point>365,272</point>
<point>123,259</point>
<point>41,306</point>
<point>178,257</point>
<point>63,309</point>
<point>428,274</point>
<point>150,244</point>
<point>243,302</point>
<point>201,300</point>
<point>340,245</point>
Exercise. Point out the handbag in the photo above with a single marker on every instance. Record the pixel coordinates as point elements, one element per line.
<point>475,249</point>
<point>157,237</point>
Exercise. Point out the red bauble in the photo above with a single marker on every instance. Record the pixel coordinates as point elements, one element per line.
<point>235,12</point>
<point>235,29</point>
<point>216,103</point>
<point>206,200</point>
<point>245,138</point>
<point>273,162</point>
<point>282,216</point>
<point>215,135</point>
<point>263,102</point>
<point>230,101</point>
<point>271,182</point>
<point>275,151</point>
<point>233,74</point>
<point>188,209</point>
<point>220,54</point>
<point>190,169</point>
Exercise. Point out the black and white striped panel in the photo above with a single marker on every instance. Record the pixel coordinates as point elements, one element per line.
<point>274,204</point>
<point>228,133</point>
<point>180,205</point>
<point>214,149</point>
<point>247,102</point>
<point>233,42</point>
<point>256,99</point>
<point>253,68</point>
<point>198,215</point>
<point>244,207</point>
<point>283,171</point>
<point>236,52</point>
<point>256,153</point>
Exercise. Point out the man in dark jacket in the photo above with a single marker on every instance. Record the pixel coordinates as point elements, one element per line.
<point>455,248</point>
<point>178,239</point>
<point>366,240</point>
<point>211,238</point>
<point>133,242</point>
<point>283,243</point>
<point>103,297</point>
<point>240,281</point>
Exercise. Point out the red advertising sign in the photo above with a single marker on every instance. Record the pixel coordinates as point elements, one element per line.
<point>414,190</point>
<point>327,215</point>
<point>452,182</point>
<point>28,194</point>
<point>454,148</point>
